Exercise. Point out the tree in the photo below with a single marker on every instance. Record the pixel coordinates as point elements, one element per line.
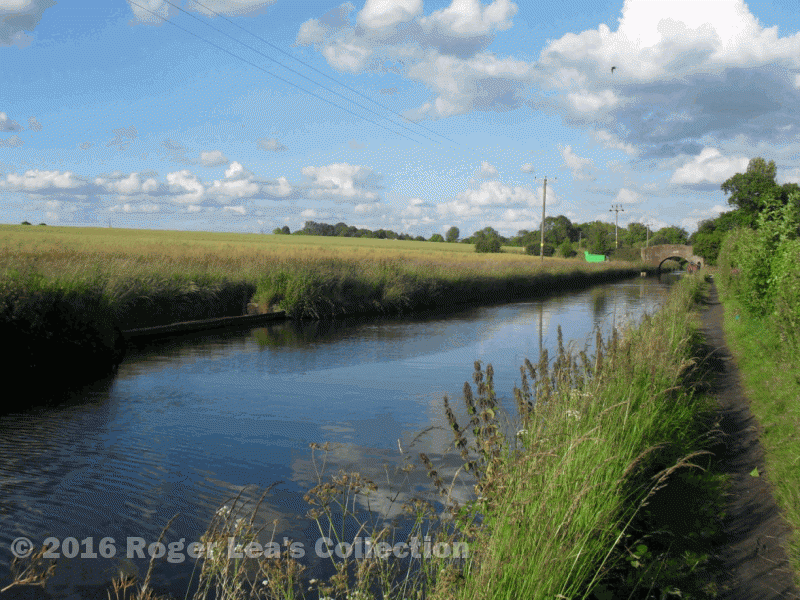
<point>437,237</point>
<point>452,234</point>
<point>670,235</point>
<point>557,229</point>
<point>748,191</point>
<point>25,223</point>
<point>285,230</point>
<point>634,235</point>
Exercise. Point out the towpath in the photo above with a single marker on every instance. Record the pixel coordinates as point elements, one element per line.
<point>754,557</point>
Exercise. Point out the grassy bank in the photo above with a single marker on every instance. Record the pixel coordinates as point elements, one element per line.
<point>68,292</point>
<point>604,492</point>
<point>771,378</point>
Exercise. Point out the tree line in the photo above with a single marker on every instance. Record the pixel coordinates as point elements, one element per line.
<point>561,236</point>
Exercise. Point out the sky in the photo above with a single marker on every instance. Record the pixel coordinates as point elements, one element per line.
<point>247,115</point>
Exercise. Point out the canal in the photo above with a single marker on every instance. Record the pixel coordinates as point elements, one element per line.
<point>189,423</point>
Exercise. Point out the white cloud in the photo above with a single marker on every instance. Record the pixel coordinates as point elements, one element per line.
<point>527,168</point>
<point>280,189</point>
<point>626,196</point>
<point>186,187</point>
<point>239,210</point>
<point>487,171</point>
<point>210,8</point>
<point>126,186</point>
<point>271,144</point>
<point>442,50</point>
<point>343,182</point>
<point>582,168</point>
<point>19,16</point>
<point>7,123</point>
<point>213,158</point>
<point>42,182</point>
<point>13,142</point>
<point>135,208</point>
<point>497,193</point>
<point>385,15</point>
<point>684,70</point>
<point>468,18</point>
<point>120,135</point>
<point>33,124</point>
<point>611,140</point>
<point>710,166</point>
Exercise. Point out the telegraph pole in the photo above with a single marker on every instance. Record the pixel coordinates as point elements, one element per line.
<point>544,202</point>
<point>616,208</point>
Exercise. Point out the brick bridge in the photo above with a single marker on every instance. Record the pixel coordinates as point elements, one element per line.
<point>656,255</point>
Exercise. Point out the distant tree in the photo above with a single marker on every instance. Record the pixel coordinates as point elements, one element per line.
<point>25,223</point>
<point>488,243</point>
<point>419,238</point>
<point>635,234</point>
<point>277,231</point>
<point>45,224</point>
<point>437,237</point>
<point>452,234</point>
<point>340,229</point>
<point>285,230</point>
<point>670,235</point>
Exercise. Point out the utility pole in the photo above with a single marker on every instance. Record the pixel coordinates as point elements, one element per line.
<point>616,208</point>
<point>544,202</point>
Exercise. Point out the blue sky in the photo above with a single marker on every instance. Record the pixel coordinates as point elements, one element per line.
<point>114,111</point>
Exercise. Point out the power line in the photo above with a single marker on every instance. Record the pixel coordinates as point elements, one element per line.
<point>271,45</point>
<point>296,72</point>
<point>273,74</point>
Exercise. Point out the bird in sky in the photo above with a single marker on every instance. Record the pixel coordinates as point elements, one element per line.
<point>612,69</point>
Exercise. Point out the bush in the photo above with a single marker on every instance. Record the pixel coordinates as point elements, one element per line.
<point>627,254</point>
<point>488,244</point>
<point>565,249</point>
<point>534,249</point>
<point>25,223</point>
<point>786,283</point>
<point>437,237</point>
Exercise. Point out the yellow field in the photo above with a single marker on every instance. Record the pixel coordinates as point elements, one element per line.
<point>65,249</point>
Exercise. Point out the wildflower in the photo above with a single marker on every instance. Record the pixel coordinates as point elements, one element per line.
<point>574,414</point>
<point>522,432</point>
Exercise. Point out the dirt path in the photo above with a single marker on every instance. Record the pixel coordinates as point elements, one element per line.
<point>754,558</point>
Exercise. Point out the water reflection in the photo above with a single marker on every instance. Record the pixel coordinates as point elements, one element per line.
<point>189,423</point>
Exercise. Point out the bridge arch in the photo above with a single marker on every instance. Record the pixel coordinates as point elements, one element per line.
<point>656,255</point>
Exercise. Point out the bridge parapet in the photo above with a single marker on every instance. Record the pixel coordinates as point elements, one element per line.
<point>656,255</point>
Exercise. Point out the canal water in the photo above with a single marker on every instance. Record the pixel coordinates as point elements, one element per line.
<point>188,424</point>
